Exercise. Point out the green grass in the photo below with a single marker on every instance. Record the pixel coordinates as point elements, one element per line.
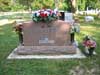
<point>15,16</point>
<point>9,40</point>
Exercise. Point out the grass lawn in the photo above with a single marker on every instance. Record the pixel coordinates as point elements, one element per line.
<point>9,40</point>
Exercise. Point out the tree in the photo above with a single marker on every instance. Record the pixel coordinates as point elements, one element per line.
<point>5,5</point>
<point>98,4</point>
<point>70,5</point>
<point>26,3</point>
<point>91,4</point>
<point>39,4</point>
<point>56,2</point>
<point>81,4</point>
<point>73,5</point>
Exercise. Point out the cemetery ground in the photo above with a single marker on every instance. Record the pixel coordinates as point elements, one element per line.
<point>86,66</point>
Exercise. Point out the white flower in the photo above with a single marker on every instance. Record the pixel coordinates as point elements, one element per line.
<point>48,9</point>
<point>55,10</point>
<point>42,10</point>
<point>46,12</point>
<point>38,14</point>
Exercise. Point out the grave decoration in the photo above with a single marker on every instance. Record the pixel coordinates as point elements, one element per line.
<point>45,15</point>
<point>89,44</point>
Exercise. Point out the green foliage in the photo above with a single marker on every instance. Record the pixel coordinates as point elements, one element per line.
<point>5,5</point>
<point>15,5</point>
<point>63,6</point>
<point>25,3</point>
<point>39,4</point>
<point>98,4</point>
<point>18,7</point>
<point>81,4</point>
<point>68,5</point>
<point>91,4</point>
<point>36,5</point>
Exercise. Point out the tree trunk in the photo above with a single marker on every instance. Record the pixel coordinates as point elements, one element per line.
<point>13,2</point>
<point>56,3</point>
<point>73,5</point>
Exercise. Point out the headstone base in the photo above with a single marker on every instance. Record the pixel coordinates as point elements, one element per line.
<point>45,50</point>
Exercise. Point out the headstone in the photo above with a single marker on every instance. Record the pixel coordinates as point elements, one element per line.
<point>46,38</point>
<point>89,18</point>
<point>69,17</point>
<point>56,35</point>
<point>62,15</point>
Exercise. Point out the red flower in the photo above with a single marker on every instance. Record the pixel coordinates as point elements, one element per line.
<point>42,14</point>
<point>45,15</point>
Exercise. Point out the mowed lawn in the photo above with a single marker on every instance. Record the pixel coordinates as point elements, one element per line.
<point>9,41</point>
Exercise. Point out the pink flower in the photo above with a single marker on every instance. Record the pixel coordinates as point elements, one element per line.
<point>89,43</point>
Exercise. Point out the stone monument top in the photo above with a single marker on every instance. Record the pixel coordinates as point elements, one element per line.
<point>55,33</point>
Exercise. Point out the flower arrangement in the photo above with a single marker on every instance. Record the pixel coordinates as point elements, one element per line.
<point>44,15</point>
<point>88,42</point>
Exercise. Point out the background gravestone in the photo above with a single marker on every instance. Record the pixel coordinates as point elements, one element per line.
<point>69,17</point>
<point>62,15</point>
